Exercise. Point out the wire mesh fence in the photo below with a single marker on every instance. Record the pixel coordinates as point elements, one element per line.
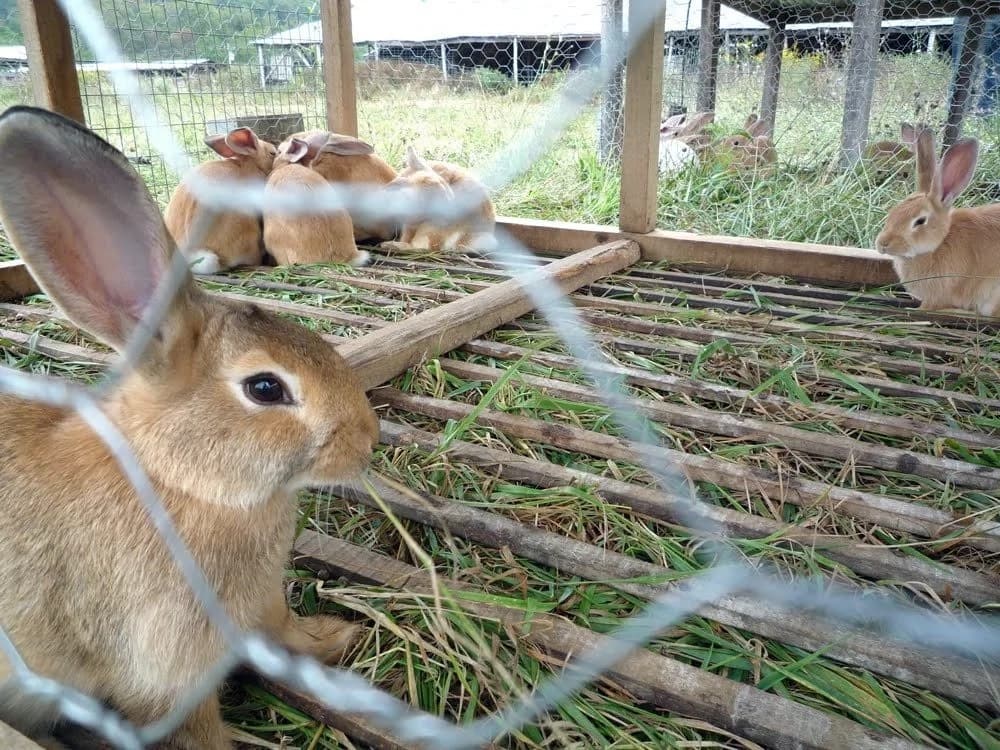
<point>406,98</point>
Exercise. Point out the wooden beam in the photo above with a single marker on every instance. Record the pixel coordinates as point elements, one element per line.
<point>743,709</point>
<point>609,125</point>
<point>382,355</point>
<point>49,44</point>
<point>862,70</point>
<point>961,84</point>
<point>828,264</point>
<point>338,68</point>
<point>708,54</point>
<point>772,75</point>
<point>643,106</point>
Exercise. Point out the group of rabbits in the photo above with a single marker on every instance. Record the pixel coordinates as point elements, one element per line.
<point>685,143</point>
<point>232,409</point>
<point>311,159</point>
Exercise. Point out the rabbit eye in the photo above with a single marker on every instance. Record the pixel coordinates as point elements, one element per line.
<point>266,389</point>
<point>919,221</point>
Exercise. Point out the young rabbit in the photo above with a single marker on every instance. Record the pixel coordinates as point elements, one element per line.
<point>234,239</point>
<point>751,150</point>
<point>345,159</point>
<point>320,238</point>
<point>887,159</point>
<point>229,412</point>
<point>946,257</point>
<point>437,180</point>
<point>683,141</point>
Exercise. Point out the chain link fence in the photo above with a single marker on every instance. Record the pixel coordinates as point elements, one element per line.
<point>204,67</point>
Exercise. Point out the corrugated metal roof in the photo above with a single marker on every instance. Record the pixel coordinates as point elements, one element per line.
<point>14,52</point>
<point>419,21</point>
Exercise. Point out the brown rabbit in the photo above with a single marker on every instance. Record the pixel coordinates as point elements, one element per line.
<point>439,181</point>
<point>751,150</point>
<point>234,239</point>
<point>887,159</point>
<point>229,412</point>
<point>345,159</point>
<point>323,238</point>
<point>946,257</point>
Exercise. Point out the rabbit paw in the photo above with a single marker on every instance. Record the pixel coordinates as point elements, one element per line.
<point>394,245</point>
<point>323,637</point>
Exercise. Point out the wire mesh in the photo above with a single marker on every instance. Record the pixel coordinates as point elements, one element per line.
<point>194,93</point>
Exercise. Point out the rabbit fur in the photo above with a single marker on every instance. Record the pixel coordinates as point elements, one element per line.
<point>945,257</point>
<point>234,239</point>
<point>89,593</point>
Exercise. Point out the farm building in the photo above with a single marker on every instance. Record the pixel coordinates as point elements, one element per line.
<point>520,38</point>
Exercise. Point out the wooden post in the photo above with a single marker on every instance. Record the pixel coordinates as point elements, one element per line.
<point>338,72</point>
<point>609,126</point>
<point>708,54</point>
<point>772,75</point>
<point>862,70</point>
<point>961,85</point>
<point>49,43</point>
<point>643,106</point>
<point>382,355</point>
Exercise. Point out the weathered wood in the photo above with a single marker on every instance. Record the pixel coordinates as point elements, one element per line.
<point>14,740</point>
<point>778,406</point>
<point>611,117</point>
<point>49,44</point>
<point>867,561</point>
<point>946,674</point>
<point>745,710</point>
<point>338,67</point>
<point>828,264</point>
<point>708,54</point>
<point>382,355</point>
<point>862,70</point>
<point>961,85</point>
<point>643,105</point>
<point>700,419</point>
<point>354,727</point>
<point>772,75</point>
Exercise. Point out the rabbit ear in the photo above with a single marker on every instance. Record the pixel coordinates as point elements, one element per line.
<point>218,144</point>
<point>926,161</point>
<point>98,254</point>
<point>297,151</point>
<point>958,165</point>
<point>751,119</point>
<point>413,160</point>
<point>345,145</point>
<point>908,134</point>
<point>243,141</point>
<point>697,121</point>
<point>758,128</point>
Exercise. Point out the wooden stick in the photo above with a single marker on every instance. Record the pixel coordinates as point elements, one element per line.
<point>643,106</point>
<point>382,355</point>
<point>49,44</point>
<point>338,67</point>
<point>665,682</point>
<point>945,674</point>
<point>980,588</point>
<point>780,406</point>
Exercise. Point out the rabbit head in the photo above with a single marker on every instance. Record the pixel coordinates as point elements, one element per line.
<point>242,144</point>
<point>920,223</point>
<point>230,404</point>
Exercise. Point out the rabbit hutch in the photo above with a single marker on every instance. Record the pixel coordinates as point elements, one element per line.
<point>830,429</point>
